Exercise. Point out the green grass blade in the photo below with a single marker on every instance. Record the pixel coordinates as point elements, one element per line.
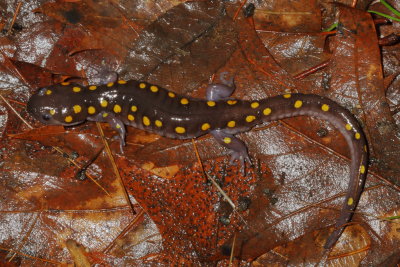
<point>392,218</point>
<point>384,15</point>
<point>333,26</point>
<point>397,13</point>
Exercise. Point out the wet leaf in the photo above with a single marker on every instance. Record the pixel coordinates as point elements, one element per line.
<point>164,210</point>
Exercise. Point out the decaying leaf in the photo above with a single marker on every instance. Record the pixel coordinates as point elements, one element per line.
<point>60,190</point>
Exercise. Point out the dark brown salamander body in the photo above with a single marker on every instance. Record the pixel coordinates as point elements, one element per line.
<point>152,108</point>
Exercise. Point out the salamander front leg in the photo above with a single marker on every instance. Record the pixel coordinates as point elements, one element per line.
<point>217,91</point>
<point>114,122</point>
<point>237,147</point>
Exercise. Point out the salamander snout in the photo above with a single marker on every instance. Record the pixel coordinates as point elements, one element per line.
<point>53,109</point>
<point>40,108</point>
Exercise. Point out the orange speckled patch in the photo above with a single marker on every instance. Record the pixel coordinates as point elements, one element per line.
<point>185,187</point>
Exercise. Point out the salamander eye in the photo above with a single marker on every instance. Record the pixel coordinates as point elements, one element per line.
<point>46,117</point>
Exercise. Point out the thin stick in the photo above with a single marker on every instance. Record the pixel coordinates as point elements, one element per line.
<point>14,17</point>
<point>227,198</point>
<point>232,251</point>
<point>238,10</point>
<point>16,113</point>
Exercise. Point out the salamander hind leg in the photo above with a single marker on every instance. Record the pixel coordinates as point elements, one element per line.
<point>114,122</point>
<point>237,147</point>
<point>218,91</point>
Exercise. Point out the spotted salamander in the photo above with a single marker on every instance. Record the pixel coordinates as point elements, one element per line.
<point>152,108</point>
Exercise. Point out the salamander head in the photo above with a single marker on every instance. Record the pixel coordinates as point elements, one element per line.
<point>57,106</point>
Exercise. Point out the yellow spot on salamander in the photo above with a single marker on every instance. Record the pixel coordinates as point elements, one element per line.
<point>205,126</point>
<point>52,111</point>
<point>122,82</point>
<point>250,118</point>
<point>227,140</point>
<point>180,130</point>
<point>350,201</point>
<point>231,124</point>
<point>77,108</point>
<point>171,95</point>
<point>348,127</point>
<point>92,87</point>
<point>48,92</point>
<point>146,121</point>
<point>357,135</point>
<point>68,119</point>
<point>134,108</point>
<point>118,126</point>
<point>231,102</point>
<point>142,85</point>
<point>103,103</point>
<point>211,103</point>
<point>298,104</point>
<point>105,114</point>
<point>254,105</point>
<point>362,169</point>
<point>110,84</point>
<point>91,110</point>
<point>158,123</point>
<point>65,83</point>
<point>287,95</point>
<point>131,117</point>
<point>76,89</point>
<point>117,108</point>
<point>267,111</point>
<point>325,107</point>
<point>184,101</point>
<point>154,89</point>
